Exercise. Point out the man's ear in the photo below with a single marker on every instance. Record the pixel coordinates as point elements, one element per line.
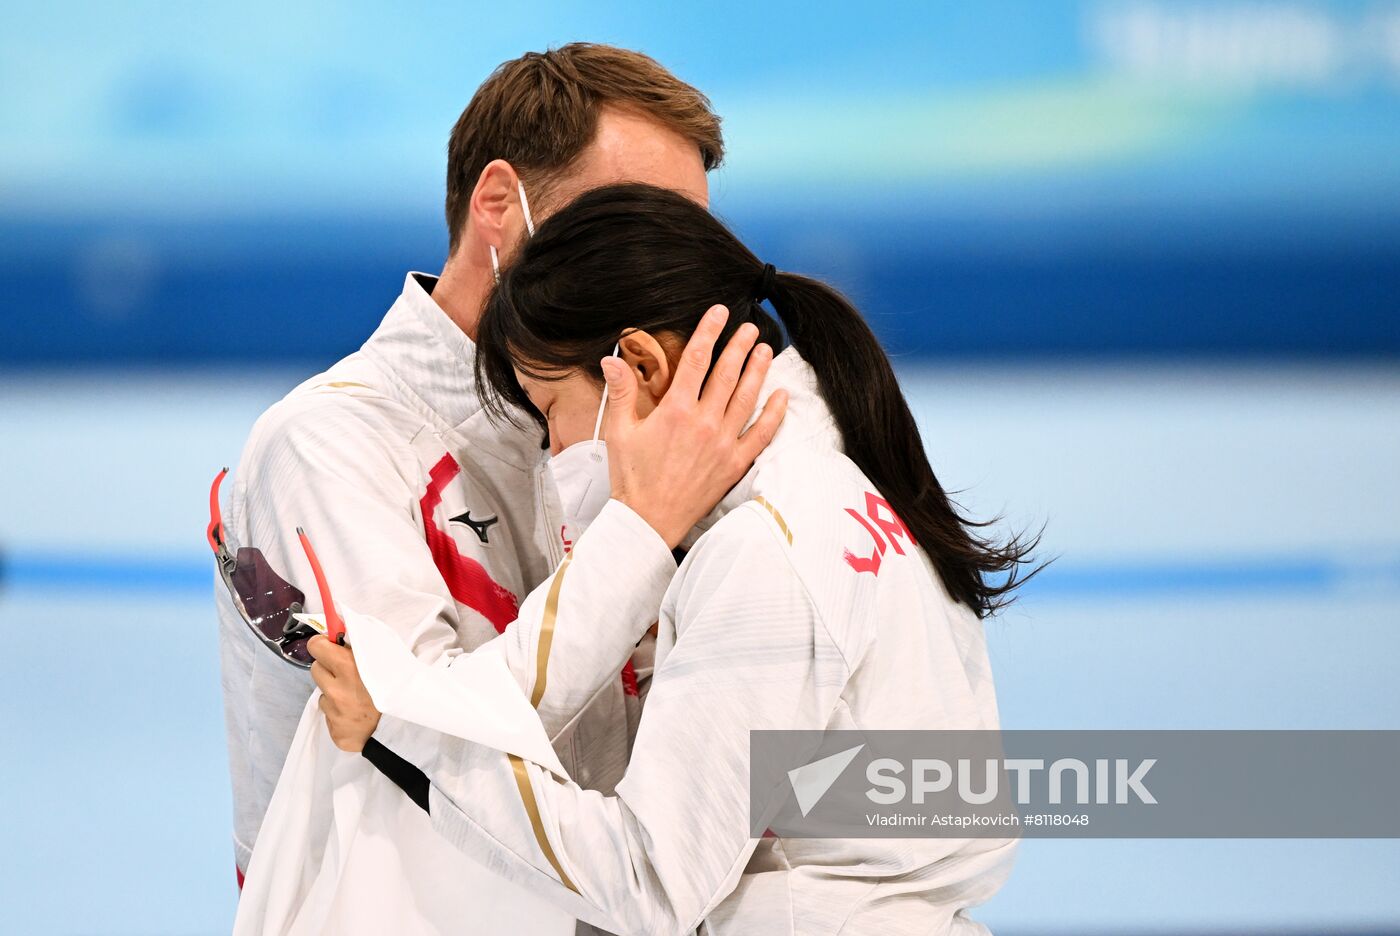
<point>492,202</point>
<point>649,363</point>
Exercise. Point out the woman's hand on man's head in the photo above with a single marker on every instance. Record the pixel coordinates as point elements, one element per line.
<point>675,464</point>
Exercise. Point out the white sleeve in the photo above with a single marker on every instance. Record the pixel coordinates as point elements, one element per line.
<point>330,468</point>
<point>751,653</point>
<point>340,472</point>
<point>317,463</point>
<point>314,461</point>
<point>335,476</point>
<point>578,629</point>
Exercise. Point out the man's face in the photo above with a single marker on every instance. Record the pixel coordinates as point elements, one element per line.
<point>632,148</point>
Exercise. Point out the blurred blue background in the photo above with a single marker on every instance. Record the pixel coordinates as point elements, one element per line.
<point>1138,264</point>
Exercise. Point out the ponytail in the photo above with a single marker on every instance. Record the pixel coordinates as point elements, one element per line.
<point>632,256</point>
<point>882,438</point>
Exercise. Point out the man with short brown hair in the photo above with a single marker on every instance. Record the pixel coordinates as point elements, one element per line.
<point>561,123</point>
<point>425,514</point>
<point>566,94</point>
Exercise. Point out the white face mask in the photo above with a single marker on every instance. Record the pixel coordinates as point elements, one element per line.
<point>581,477</point>
<point>529,227</point>
<point>581,470</point>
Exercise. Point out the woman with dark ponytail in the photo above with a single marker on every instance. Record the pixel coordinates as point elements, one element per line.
<point>835,587</point>
<point>629,258</point>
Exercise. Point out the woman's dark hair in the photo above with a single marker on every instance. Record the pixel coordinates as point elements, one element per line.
<point>633,256</point>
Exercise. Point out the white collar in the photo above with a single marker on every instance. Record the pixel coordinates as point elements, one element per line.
<point>427,354</point>
<point>432,362</point>
<point>808,421</point>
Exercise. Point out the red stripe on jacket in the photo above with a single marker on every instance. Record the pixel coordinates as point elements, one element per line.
<point>466,579</point>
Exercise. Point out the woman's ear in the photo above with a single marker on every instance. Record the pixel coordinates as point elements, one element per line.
<point>650,365</point>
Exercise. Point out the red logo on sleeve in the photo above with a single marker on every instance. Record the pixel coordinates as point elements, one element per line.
<point>885,530</point>
<point>466,579</point>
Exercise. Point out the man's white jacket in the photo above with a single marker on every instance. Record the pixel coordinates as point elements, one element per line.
<point>804,604</point>
<point>425,515</point>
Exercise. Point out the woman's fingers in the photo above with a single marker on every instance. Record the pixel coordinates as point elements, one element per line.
<point>673,466</point>
<point>350,713</point>
<point>318,646</point>
<point>745,396</point>
<point>719,389</point>
<point>333,657</point>
<point>695,359</point>
<point>621,412</point>
<point>321,676</point>
<point>761,433</point>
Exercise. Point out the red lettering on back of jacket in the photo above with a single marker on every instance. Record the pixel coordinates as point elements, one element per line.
<point>879,518</point>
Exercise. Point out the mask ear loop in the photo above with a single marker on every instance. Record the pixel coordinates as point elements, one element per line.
<point>602,406</point>
<point>525,208</point>
<point>529,226</point>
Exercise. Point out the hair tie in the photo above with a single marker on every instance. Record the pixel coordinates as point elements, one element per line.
<point>766,280</point>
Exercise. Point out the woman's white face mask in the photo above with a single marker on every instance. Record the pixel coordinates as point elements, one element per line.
<point>581,470</point>
<point>581,477</point>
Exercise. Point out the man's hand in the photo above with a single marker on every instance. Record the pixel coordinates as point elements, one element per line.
<point>350,713</point>
<point>675,465</point>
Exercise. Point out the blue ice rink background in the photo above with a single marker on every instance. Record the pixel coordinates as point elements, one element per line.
<point>1138,263</point>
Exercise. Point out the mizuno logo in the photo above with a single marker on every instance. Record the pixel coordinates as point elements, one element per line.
<point>480,527</point>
